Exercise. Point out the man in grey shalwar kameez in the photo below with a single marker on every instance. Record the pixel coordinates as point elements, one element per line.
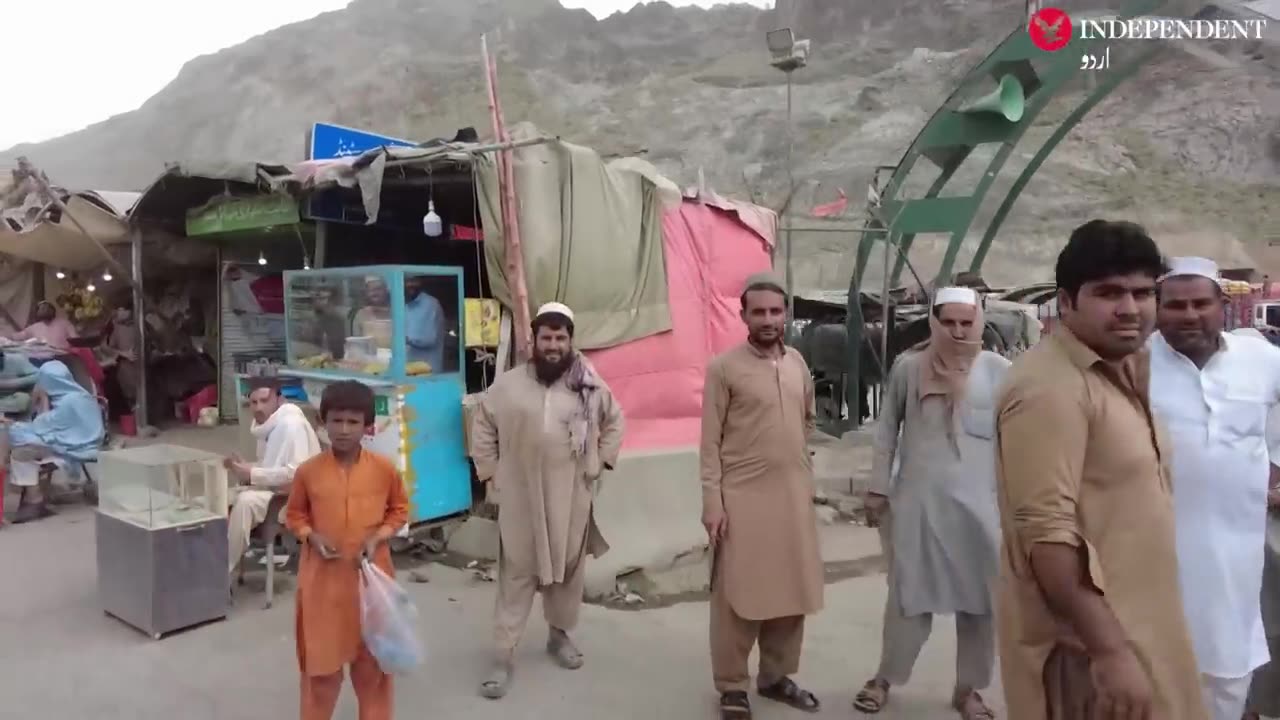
<point>937,514</point>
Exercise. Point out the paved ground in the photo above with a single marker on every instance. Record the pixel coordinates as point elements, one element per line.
<point>63,658</point>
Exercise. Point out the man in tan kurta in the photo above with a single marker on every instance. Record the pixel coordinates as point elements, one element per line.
<point>757,507</point>
<point>1090,620</point>
<point>543,434</point>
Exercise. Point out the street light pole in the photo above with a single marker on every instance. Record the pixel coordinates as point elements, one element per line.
<point>788,55</point>
<point>791,198</point>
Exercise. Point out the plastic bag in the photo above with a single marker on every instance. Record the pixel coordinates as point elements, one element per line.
<point>388,622</point>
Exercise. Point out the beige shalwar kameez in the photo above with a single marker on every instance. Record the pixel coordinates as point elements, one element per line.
<point>757,412</point>
<point>523,441</point>
<point>1081,461</point>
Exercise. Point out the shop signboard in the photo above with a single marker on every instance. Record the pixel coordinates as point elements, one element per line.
<point>239,214</point>
<point>330,142</point>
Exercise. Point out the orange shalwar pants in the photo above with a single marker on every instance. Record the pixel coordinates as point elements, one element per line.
<point>374,691</point>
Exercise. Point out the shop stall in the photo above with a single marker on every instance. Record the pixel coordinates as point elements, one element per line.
<point>400,330</point>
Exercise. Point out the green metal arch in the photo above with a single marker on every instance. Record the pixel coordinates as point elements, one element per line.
<point>948,139</point>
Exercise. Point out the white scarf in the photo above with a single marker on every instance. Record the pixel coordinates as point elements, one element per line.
<point>285,441</point>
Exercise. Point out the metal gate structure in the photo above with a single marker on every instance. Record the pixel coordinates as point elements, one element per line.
<point>972,117</point>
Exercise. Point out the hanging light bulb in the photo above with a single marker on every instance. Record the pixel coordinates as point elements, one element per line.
<point>306,263</point>
<point>60,275</point>
<point>90,287</point>
<point>262,259</point>
<point>432,226</point>
<point>106,276</point>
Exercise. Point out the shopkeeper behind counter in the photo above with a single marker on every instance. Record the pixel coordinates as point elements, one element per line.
<point>424,321</point>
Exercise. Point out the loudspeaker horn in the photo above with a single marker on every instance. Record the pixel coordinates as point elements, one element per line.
<point>1007,100</point>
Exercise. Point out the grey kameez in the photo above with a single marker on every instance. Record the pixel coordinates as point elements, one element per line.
<point>945,529</point>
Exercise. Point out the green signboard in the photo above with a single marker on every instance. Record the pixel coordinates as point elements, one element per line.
<point>380,406</point>
<point>242,214</point>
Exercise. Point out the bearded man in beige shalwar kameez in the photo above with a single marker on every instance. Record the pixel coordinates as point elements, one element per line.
<point>543,434</point>
<point>757,507</point>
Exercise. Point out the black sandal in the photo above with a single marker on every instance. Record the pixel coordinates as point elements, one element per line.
<point>787,692</point>
<point>734,705</point>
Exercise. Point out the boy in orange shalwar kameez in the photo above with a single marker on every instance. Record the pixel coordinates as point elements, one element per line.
<point>345,504</point>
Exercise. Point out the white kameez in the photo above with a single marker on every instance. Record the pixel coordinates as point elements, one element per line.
<point>1216,418</point>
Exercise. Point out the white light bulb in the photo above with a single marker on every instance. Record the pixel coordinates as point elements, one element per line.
<point>262,259</point>
<point>60,275</point>
<point>432,226</point>
<point>106,276</point>
<point>90,287</point>
<point>306,264</point>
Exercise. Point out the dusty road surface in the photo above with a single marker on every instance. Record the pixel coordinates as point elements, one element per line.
<point>62,658</point>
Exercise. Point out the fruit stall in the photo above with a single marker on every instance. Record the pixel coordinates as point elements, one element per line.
<point>399,330</point>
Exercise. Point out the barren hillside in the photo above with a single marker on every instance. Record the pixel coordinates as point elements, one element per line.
<point>1192,147</point>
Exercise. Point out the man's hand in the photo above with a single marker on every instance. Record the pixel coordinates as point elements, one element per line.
<point>320,544</point>
<point>241,470</point>
<point>1122,686</point>
<point>716,523</point>
<point>371,546</point>
<point>874,505</point>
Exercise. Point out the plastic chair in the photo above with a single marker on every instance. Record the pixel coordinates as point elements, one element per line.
<point>268,533</point>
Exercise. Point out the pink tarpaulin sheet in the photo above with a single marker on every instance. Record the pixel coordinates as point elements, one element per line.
<point>710,249</point>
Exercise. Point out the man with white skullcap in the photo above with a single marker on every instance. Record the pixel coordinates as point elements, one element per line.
<point>936,510</point>
<point>543,434</point>
<point>1213,390</point>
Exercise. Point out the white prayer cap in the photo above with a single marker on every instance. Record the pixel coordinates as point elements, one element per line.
<point>958,295</point>
<point>1192,267</point>
<point>555,307</point>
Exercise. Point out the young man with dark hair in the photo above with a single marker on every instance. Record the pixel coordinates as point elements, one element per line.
<point>543,435</point>
<point>1089,615</point>
<point>757,507</point>
<point>345,504</point>
<point>1215,390</point>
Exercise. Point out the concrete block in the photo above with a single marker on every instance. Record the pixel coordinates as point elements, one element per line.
<point>476,538</point>
<point>649,510</point>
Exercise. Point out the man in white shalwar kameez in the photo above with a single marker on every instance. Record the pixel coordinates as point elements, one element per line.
<point>1213,391</point>
<point>937,514</point>
<point>285,440</point>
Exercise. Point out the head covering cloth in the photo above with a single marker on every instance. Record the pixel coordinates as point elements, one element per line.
<point>945,366</point>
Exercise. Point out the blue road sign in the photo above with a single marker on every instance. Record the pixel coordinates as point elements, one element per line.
<point>329,142</point>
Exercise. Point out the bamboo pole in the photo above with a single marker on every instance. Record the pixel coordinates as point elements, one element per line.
<point>510,213</point>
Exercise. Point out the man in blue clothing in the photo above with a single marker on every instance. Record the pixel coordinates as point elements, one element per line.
<point>424,325</point>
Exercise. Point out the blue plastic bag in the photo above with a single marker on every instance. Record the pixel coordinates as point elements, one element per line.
<point>388,622</point>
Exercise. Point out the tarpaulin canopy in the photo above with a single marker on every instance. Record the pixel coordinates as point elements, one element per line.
<point>59,243</point>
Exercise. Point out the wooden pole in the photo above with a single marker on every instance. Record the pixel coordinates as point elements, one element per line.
<point>510,213</point>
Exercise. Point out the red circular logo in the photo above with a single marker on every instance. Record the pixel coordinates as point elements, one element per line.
<point>1050,29</point>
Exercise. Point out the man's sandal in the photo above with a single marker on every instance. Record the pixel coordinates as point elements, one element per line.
<point>971,707</point>
<point>872,698</point>
<point>496,685</point>
<point>787,692</point>
<point>734,705</point>
<point>564,653</point>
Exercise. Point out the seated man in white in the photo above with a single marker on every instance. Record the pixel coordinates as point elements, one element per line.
<point>285,440</point>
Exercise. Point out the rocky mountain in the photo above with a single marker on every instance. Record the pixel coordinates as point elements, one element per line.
<point>1191,147</point>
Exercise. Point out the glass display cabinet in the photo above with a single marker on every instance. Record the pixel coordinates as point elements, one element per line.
<point>399,330</point>
<point>161,530</point>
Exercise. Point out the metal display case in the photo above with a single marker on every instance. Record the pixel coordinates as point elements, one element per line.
<point>399,330</point>
<point>162,537</point>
